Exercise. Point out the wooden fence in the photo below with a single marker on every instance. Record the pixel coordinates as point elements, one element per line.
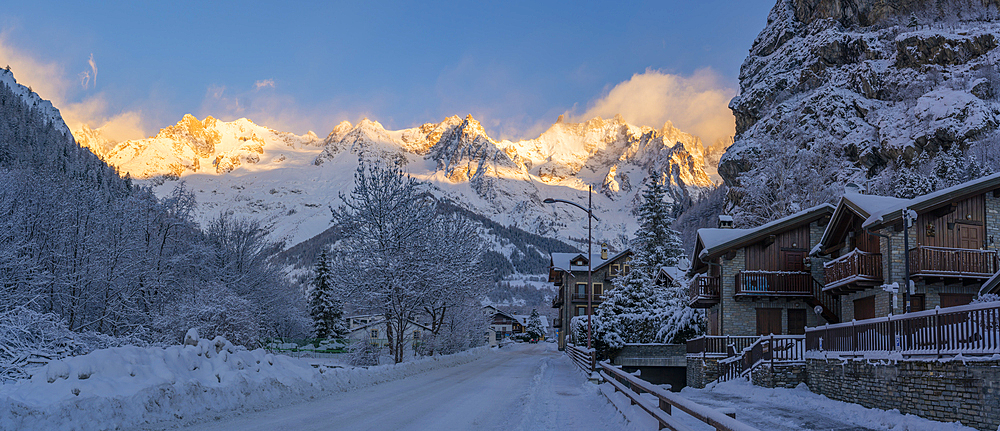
<point>633,387</point>
<point>583,357</point>
<point>967,330</point>
<point>769,349</point>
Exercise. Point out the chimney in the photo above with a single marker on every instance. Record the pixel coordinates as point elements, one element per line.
<point>725,221</point>
<point>852,188</point>
<point>604,251</point>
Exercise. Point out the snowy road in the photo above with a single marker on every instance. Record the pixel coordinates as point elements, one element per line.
<point>520,387</point>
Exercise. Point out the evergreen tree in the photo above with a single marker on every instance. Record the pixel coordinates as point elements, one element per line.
<point>913,21</point>
<point>535,329</point>
<point>327,311</point>
<point>634,310</point>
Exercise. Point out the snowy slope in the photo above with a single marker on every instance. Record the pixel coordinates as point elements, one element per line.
<point>45,109</point>
<point>289,181</point>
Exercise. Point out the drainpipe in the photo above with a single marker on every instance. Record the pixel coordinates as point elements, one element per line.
<point>906,258</point>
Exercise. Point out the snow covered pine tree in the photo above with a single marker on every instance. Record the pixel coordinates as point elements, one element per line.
<point>535,330</point>
<point>326,309</point>
<point>635,310</point>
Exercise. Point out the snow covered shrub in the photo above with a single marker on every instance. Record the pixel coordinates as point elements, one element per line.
<point>215,311</point>
<point>364,352</point>
<point>29,338</point>
<point>578,329</point>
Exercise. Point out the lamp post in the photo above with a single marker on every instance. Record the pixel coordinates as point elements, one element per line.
<point>590,264</point>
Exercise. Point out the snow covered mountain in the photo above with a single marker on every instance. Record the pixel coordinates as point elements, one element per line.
<point>838,91</point>
<point>289,180</point>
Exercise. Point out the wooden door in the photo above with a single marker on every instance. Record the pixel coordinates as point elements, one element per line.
<point>792,261</point>
<point>969,237</point>
<point>955,299</point>
<point>796,321</point>
<point>768,321</point>
<point>713,321</point>
<point>917,303</point>
<point>864,308</point>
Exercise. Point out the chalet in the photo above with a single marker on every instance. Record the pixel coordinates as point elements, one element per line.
<point>568,271</point>
<point>760,281</point>
<point>374,330</point>
<point>502,325</point>
<point>952,248</point>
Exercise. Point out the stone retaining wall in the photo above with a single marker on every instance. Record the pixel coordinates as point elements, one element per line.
<point>779,376</point>
<point>702,371</point>
<point>944,391</point>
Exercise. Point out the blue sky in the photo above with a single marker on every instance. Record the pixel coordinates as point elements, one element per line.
<point>515,66</point>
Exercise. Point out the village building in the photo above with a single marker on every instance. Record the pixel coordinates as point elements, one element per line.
<point>952,240</point>
<point>761,281</point>
<point>372,328</point>
<point>568,271</point>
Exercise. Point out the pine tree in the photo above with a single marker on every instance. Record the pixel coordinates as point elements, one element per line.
<point>913,21</point>
<point>327,311</point>
<point>535,330</point>
<point>633,311</point>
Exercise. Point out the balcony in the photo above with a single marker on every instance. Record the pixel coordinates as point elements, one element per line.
<point>557,323</point>
<point>774,283</point>
<point>943,262</point>
<point>557,301</point>
<point>703,291</point>
<point>582,297</point>
<point>852,272</point>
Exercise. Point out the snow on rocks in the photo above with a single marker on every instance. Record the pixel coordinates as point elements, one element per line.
<point>129,386</point>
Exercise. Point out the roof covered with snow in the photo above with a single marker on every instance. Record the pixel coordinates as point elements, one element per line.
<point>563,261</point>
<point>715,242</point>
<point>887,215</point>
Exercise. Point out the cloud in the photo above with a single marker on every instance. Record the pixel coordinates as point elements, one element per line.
<point>271,109</point>
<point>263,83</point>
<point>51,82</point>
<point>696,104</point>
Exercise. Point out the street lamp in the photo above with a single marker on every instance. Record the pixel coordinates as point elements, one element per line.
<point>590,264</point>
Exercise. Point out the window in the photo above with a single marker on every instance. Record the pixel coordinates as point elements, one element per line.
<point>581,291</point>
<point>416,335</point>
<point>615,269</point>
<point>598,290</point>
<point>581,310</point>
<point>374,333</point>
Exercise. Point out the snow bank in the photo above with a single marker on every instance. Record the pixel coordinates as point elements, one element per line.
<point>125,387</point>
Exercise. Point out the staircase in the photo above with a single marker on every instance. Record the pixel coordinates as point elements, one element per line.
<point>826,301</point>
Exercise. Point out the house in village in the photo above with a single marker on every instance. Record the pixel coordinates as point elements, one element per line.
<point>568,271</point>
<point>761,281</point>
<point>372,328</point>
<point>503,324</point>
<point>952,249</point>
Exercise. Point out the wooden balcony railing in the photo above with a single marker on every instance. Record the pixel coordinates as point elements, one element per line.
<point>854,267</point>
<point>776,283</point>
<point>703,291</point>
<point>968,330</point>
<point>557,301</point>
<point>768,349</point>
<point>952,262</point>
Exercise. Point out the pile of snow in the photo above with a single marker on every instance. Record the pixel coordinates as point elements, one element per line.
<point>124,387</point>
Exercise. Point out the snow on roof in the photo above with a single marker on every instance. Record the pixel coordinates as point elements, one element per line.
<point>880,215</point>
<point>561,261</point>
<point>725,217</point>
<point>872,203</point>
<point>524,321</point>
<point>715,238</point>
<point>674,272</point>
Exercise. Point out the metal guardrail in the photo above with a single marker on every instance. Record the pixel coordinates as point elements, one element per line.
<point>967,330</point>
<point>633,387</point>
<point>583,357</point>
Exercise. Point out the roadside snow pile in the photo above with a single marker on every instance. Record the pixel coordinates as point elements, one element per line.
<point>124,387</point>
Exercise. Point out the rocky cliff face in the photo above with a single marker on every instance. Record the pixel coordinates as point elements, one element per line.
<point>836,91</point>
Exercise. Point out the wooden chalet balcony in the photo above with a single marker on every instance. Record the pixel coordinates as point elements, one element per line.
<point>853,271</point>
<point>929,262</point>
<point>774,283</point>
<point>703,291</point>
<point>557,301</point>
